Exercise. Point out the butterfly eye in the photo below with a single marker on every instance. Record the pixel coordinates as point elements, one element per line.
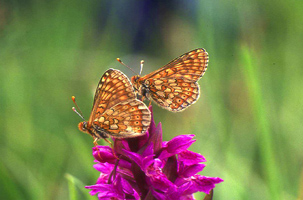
<point>84,126</point>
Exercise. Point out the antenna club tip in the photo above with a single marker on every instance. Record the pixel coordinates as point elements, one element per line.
<point>73,108</point>
<point>142,61</point>
<point>119,60</point>
<point>73,98</point>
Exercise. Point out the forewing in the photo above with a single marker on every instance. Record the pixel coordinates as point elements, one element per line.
<point>114,87</point>
<point>129,118</point>
<point>173,94</point>
<point>191,66</point>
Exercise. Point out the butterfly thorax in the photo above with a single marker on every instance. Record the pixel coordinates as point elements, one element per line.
<point>141,87</point>
<point>135,82</point>
<point>94,131</point>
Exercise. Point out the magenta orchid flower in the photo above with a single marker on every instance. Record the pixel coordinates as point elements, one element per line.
<point>149,168</point>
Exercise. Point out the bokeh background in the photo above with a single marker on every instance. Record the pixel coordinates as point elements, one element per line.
<point>247,122</point>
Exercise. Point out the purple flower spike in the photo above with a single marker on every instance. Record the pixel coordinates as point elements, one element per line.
<point>149,168</point>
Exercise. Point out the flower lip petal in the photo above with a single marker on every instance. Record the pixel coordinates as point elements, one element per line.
<point>180,143</point>
<point>187,171</point>
<point>190,158</point>
<point>160,182</point>
<point>104,167</point>
<point>203,184</point>
<point>104,191</point>
<point>177,145</point>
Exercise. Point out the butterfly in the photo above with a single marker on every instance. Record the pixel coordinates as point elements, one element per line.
<point>174,86</point>
<point>116,112</point>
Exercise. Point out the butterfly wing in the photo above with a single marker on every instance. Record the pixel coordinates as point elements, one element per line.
<point>174,86</point>
<point>173,94</point>
<point>113,87</point>
<point>127,119</point>
<point>190,66</point>
<point>115,97</point>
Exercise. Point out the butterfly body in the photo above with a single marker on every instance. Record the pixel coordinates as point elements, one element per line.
<point>116,112</point>
<point>141,88</point>
<point>95,132</point>
<point>174,87</point>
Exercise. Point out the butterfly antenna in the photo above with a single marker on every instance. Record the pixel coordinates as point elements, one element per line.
<point>141,66</point>
<point>74,109</point>
<point>120,61</point>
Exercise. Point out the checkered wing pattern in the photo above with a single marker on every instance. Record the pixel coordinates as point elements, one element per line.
<point>174,86</point>
<point>116,111</point>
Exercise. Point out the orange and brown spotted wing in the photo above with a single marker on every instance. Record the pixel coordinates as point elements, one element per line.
<point>116,111</point>
<point>114,87</point>
<point>191,66</point>
<point>127,119</point>
<point>173,94</point>
<point>174,86</point>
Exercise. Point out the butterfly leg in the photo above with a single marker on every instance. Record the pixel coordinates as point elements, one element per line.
<point>95,142</point>
<point>112,146</point>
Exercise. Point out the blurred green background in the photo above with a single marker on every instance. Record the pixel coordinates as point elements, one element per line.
<point>247,122</point>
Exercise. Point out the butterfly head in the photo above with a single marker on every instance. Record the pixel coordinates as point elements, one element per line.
<point>135,81</point>
<point>83,127</point>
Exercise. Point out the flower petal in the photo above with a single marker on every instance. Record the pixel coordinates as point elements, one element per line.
<point>148,151</point>
<point>202,184</point>
<point>160,182</point>
<point>128,189</point>
<point>180,143</point>
<point>177,145</point>
<point>119,145</point>
<point>104,154</point>
<point>190,158</point>
<point>104,190</point>
<point>137,158</point>
<point>205,184</point>
<point>104,167</point>
<point>190,170</point>
<point>103,179</point>
<point>170,168</point>
<point>156,137</point>
<point>153,168</point>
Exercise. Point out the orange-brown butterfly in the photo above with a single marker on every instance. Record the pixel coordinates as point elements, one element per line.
<point>174,86</point>
<point>116,112</point>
